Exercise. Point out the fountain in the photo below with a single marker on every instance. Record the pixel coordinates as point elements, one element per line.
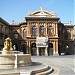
<point>9,60</point>
<point>20,64</point>
<point>7,46</point>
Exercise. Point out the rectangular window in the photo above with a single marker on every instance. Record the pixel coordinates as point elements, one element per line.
<point>16,36</point>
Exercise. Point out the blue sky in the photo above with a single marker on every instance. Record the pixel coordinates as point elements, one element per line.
<point>18,9</point>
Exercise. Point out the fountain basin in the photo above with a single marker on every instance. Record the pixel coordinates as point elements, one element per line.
<point>10,61</point>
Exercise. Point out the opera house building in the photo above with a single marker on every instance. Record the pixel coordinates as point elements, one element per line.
<point>40,33</point>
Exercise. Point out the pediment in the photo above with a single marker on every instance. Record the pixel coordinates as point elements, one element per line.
<point>42,13</point>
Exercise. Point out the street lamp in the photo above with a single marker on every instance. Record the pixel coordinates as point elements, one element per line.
<point>67,46</point>
<point>67,52</point>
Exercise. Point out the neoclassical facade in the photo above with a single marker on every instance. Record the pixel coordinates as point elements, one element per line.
<point>42,33</point>
<point>4,31</point>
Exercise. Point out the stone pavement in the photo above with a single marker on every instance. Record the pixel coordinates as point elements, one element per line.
<point>35,69</point>
<point>65,65</point>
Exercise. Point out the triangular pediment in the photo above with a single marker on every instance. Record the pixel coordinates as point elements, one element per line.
<point>42,13</point>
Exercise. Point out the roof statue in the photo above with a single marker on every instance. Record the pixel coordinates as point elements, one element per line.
<point>23,20</point>
<point>41,10</point>
<point>42,13</point>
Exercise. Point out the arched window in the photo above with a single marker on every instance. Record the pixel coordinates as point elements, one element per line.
<point>34,31</point>
<point>15,35</point>
<point>42,30</point>
<point>24,33</point>
<point>5,29</point>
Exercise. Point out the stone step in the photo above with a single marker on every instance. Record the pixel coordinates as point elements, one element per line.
<point>42,71</point>
<point>49,71</point>
<point>8,73</point>
<point>55,72</point>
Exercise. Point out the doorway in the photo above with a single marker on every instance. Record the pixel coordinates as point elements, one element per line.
<point>23,48</point>
<point>33,49</point>
<point>59,49</point>
<point>41,51</point>
<point>50,49</point>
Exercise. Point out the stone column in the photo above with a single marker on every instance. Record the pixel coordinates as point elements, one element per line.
<point>37,29</point>
<point>37,51</point>
<point>46,53</point>
<point>56,30</point>
<point>16,64</point>
<point>28,29</point>
<point>29,48</point>
<point>22,32</point>
<point>54,47</point>
<point>46,28</point>
<point>71,34</point>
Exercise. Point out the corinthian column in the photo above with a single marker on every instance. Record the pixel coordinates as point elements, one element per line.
<point>56,30</point>
<point>37,29</point>
<point>46,28</point>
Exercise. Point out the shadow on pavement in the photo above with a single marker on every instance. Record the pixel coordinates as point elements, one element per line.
<point>36,63</point>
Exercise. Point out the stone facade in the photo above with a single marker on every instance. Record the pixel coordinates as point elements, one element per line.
<point>74,32</point>
<point>4,31</point>
<point>74,37</point>
<point>42,23</point>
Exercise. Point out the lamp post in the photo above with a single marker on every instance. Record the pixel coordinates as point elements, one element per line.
<point>67,52</point>
<point>67,47</point>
